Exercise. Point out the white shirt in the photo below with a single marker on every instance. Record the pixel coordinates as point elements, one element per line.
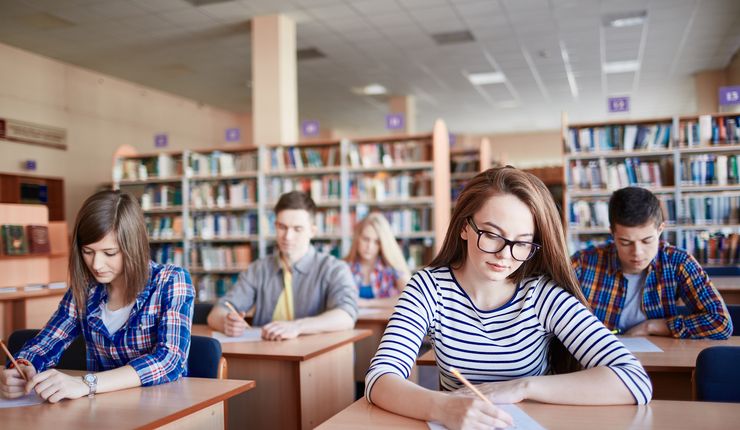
<point>114,320</point>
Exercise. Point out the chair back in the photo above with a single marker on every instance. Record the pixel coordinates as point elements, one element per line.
<point>73,358</point>
<point>717,374</point>
<point>204,360</point>
<point>735,318</point>
<point>200,312</point>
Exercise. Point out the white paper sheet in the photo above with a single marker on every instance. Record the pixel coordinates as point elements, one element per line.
<point>27,400</point>
<point>249,335</point>
<point>522,421</point>
<point>639,344</point>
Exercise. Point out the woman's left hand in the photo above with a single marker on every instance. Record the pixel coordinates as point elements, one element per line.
<point>53,386</point>
<point>513,391</point>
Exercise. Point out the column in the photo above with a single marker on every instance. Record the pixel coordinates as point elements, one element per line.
<point>405,105</point>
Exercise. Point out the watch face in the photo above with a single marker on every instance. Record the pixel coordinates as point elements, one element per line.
<point>90,378</point>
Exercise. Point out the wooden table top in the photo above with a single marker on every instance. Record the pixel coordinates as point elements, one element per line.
<point>657,415</point>
<point>375,315</point>
<point>21,294</point>
<point>140,408</point>
<point>726,283</point>
<point>678,354</point>
<point>300,349</point>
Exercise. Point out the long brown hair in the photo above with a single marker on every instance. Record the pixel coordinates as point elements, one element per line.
<point>552,259</point>
<point>104,212</point>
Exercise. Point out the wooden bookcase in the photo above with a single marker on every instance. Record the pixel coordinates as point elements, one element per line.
<point>467,162</point>
<point>693,169</point>
<point>30,189</point>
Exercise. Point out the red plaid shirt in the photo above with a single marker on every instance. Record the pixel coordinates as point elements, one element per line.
<point>672,275</point>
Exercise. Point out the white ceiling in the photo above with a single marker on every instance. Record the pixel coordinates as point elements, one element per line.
<point>203,53</point>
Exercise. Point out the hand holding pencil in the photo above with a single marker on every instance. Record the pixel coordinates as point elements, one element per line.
<point>486,412</point>
<point>13,381</point>
<point>234,324</point>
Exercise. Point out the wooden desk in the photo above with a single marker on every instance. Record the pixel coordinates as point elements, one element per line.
<point>27,309</point>
<point>670,370</point>
<point>302,382</point>
<point>188,403</point>
<point>728,287</point>
<point>658,415</point>
<point>375,320</point>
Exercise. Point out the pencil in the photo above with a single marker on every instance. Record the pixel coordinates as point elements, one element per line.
<point>467,383</point>
<point>12,360</point>
<point>231,307</point>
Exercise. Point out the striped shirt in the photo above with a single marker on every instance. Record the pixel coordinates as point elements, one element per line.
<point>672,276</point>
<point>509,342</point>
<point>155,341</point>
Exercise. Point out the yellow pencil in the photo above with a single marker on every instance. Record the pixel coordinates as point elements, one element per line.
<point>231,307</point>
<point>12,360</point>
<point>467,383</point>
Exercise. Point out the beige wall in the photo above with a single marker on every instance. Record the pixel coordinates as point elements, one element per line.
<point>523,150</point>
<point>100,113</point>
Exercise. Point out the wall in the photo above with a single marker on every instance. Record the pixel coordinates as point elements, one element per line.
<point>522,150</point>
<point>100,113</point>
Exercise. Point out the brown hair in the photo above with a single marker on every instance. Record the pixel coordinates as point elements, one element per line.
<point>390,252</point>
<point>295,200</point>
<point>104,212</point>
<point>552,259</point>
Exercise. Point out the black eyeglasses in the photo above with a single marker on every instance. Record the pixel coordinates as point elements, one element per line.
<point>492,243</point>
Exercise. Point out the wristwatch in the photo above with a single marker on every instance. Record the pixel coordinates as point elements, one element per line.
<point>92,382</point>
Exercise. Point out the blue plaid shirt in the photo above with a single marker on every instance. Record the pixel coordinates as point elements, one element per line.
<point>155,341</point>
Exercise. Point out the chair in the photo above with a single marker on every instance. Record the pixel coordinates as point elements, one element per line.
<point>205,360</point>
<point>73,358</point>
<point>200,312</point>
<point>735,318</point>
<point>717,375</point>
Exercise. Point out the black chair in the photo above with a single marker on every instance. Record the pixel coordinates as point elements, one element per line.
<point>717,375</point>
<point>200,312</point>
<point>205,360</point>
<point>735,317</point>
<point>73,358</point>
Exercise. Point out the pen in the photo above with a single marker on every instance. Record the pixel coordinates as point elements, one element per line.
<point>12,360</point>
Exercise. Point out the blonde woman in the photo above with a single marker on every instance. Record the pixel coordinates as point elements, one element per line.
<point>377,263</point>
<point>134,314</point>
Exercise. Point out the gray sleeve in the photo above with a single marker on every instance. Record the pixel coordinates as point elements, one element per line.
<point>341,289</point>
<point>243,294</point>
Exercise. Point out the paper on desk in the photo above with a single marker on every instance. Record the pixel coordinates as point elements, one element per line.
<point>27,400</point>
<point>522,421</point>
<point>249,335</point>
<point>639,344</point>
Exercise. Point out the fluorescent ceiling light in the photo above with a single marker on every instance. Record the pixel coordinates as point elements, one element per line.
<point>569,71</point>
<point>621,66</point>
<point>628,19</point>
<point>370,90</point>
<point>486,78</point>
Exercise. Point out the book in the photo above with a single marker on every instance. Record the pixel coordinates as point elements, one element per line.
<point>14,239</point>
<point>38,239</point>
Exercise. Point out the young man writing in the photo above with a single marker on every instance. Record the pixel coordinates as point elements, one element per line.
<point>296,290</point>
<point>634,283</point>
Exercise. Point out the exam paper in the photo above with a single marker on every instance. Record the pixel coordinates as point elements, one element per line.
<point>249,335</point>
<point>522,421</point>
<point>27,400</point>
<point>639,344</point>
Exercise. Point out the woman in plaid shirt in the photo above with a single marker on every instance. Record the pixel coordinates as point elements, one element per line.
<point>136,316</point>
<point>377,263</point>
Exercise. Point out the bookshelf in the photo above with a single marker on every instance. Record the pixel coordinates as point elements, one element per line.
<point>211,210</point>
<point>467,162</point>
<point>689,162</point>
<point>30,189</point>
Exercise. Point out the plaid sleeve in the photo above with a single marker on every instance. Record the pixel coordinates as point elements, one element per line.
<point>168,361</point>
<point>45,350</point>
<point>709,317</point>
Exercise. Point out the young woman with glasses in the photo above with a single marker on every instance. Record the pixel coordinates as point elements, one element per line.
<point>501,304</point>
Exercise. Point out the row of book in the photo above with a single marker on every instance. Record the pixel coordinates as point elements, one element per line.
<point>600,174</point>
<point>710,169</point>
<point>388,154</point>
<point>627,137</point>
<point>218,163</point>
<point>709,130</point>
<point>210,287</point>
<point>223,194</point>
<point>161,196</point>
<point>595,213</point>
<point>24,239</point>
<point>712,209</point>
<point>142,169</point>
<point>464,164</point>
<point>35,287</point>
<point>208,257</point>
<point>298,158</point>
<point>713,248</point>
<point>224,226</point>
<point>168,253</point>
<point>323,189</point>
<point>383,186</point>
<point>164,227</point>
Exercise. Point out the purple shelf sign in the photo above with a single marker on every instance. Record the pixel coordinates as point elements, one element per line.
<point>160,140</point>
<point>310,128</point>
<point>619,104</point>
<point>394,121</point>
<point>233,134</point>
<point>729,96</point>
<point>30,165</point>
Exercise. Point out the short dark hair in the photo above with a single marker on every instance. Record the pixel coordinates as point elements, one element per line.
<point>634,206</point>
<point>295,200</point>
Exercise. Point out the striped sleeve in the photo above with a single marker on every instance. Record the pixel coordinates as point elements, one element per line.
<point>405,331</point>
<point>590,342</point>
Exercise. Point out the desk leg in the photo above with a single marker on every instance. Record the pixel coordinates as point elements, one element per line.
<point>365,349</point>
<point>210,418</point>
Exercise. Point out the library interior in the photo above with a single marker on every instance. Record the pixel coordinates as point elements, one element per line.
<point>361,214</point>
